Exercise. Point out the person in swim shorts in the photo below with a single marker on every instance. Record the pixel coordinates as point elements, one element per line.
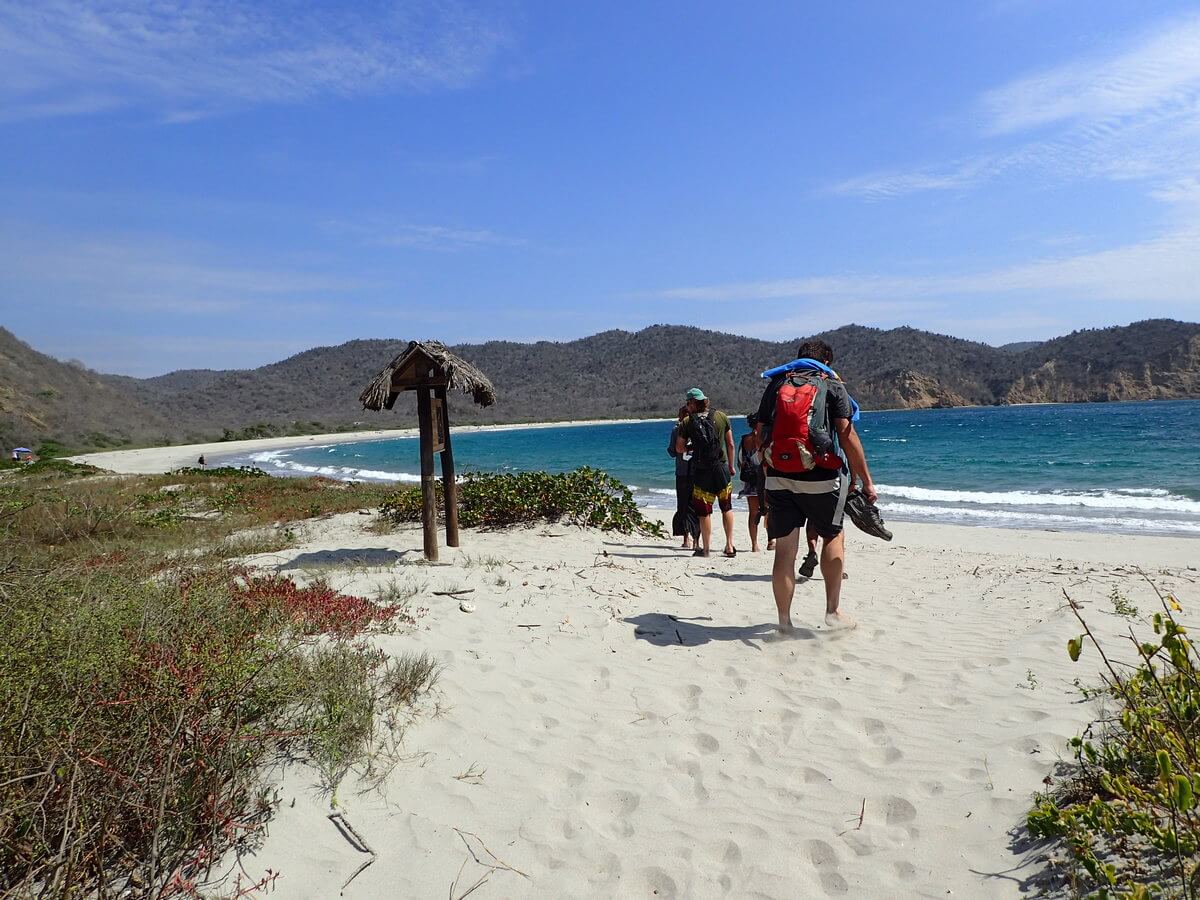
<point>814,498</point>
<point>711,483</point>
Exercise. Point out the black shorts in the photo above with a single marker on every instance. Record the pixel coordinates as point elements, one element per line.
<point>790,510</point>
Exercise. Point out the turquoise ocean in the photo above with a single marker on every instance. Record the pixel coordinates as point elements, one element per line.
<point>1124,467</point>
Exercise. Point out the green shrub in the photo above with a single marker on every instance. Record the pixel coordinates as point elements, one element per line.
<point>586,497</point>
<point>146,685</point>
<point>58,468</point>
<point>222,472</point>
<point>49,448</point>
<point>142,712</point>
<point>1128,812</point>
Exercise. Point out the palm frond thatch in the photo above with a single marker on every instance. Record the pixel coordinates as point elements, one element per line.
<point>380,394</point>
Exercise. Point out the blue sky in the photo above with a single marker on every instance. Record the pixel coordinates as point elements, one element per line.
<point>221,184</point>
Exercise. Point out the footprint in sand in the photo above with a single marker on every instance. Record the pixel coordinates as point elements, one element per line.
<point>824,859</point>
<point>660,883</point>
<point>692,694</point>
<point>821,854</point>
<point>899,811</point>
<point>706,743</point>
<point>905,870</point>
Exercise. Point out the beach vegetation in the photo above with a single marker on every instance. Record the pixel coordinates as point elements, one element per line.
<point>1127,809</point>
<point>587,497</point>
<point>152,682</point>
<point>1121,604</point>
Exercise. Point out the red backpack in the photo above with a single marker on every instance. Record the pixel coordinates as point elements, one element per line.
<point>800,435</point>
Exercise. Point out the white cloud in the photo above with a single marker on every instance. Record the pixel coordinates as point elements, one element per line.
<point>1134,115</point>
<point>1165,269</point>
<point>1161,73</point>
<point>439,237</point>
<point>187,59</point>
<point>152,275</point>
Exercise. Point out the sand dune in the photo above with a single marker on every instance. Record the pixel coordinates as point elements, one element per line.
<point>651,736</point>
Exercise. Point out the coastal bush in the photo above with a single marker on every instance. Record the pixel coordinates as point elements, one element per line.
<point>143,711</point>
<point>58,468</point>
<point>586,497</point>
<point>148,684</point>
<point>1128,811</point>
<point>222,472</point>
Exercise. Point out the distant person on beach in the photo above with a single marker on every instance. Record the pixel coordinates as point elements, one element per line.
<point>685,522</point>
<point>754,480</point>
<point>711,438</point>
<point>812,491</point>
<point>201,461</point>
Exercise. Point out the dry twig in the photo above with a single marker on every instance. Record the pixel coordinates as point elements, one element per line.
<point>355,840</point>
<point>499,863</point>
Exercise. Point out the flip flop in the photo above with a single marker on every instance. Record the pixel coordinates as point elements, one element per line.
<point>730,554</point>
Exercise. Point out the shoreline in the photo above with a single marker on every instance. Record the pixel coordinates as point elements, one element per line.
<point>160,460</point>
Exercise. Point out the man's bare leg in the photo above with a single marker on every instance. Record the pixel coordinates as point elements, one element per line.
<point>833,559</point>
<point>783,577</point>
<point>706,533</point>
<point>727,524</point>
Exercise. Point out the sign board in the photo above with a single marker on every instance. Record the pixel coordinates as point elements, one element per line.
<point>437,412</point>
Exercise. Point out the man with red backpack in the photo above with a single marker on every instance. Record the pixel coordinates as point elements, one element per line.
<point>813,458</point>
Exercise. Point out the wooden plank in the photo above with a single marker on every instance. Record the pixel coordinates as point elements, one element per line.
<point>437,415</point>
<point>449,486</point>
<point>428,494</point>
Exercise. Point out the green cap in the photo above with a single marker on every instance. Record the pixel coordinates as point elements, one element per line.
<point>696,394</point>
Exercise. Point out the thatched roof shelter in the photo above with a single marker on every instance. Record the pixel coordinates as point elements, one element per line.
<point>426,362</point>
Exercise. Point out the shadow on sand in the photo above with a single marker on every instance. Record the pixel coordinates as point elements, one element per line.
<point>734,576</point>
<point>663,630</point>
<point>1032,875</point>
<point>357,556</point>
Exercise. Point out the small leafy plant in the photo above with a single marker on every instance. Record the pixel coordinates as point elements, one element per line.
<point>586,496</point>
<point>1128,813</point>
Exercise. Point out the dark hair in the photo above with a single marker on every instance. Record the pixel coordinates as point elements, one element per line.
<point>752,419</point>
<point>683,412</point>
<point>818,350</point>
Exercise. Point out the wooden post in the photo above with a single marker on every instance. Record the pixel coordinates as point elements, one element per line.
<point>428,495</point>
<point>449,488</point>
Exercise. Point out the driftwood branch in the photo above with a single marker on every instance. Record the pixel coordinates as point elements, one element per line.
<point>355,840</point>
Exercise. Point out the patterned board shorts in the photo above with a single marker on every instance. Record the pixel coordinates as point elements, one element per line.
<point>702,500</point>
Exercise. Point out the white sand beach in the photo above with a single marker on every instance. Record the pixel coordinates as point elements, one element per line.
<point>619,719</point>
<point>151,460</point>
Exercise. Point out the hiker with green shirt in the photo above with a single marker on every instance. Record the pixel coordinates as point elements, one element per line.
<point>712,467</point>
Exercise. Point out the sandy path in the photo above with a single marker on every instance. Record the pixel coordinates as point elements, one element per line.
<point>626,753</point>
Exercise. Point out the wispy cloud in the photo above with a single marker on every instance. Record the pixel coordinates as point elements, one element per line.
<point>1164,269</point>
<point>1134,115</point>
<point>1161,73</point>
<point>145,274</point>
<point>380,231</point>
<point>439,237</point>
<point>188,59</point>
